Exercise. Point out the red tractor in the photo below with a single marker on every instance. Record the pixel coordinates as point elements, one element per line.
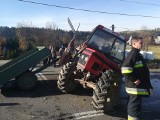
<point>98,67</point>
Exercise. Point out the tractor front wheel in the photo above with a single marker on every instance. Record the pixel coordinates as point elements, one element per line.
<point>66,77</point>
<point>107,92</point>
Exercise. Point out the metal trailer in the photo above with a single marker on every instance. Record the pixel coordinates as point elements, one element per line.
<point>21,69</point>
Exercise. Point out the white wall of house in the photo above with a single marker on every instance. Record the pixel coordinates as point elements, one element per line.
<point>157,40</point>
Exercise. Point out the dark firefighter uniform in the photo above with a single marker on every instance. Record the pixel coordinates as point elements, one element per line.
<point>135,68</point>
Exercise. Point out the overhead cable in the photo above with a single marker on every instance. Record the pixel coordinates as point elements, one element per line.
<point>140,2</point>
<point>87,10</point>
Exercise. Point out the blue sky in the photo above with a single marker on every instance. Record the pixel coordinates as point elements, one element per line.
<point>13,12</point>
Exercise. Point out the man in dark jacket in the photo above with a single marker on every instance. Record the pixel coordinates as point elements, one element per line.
<point>137,76</point>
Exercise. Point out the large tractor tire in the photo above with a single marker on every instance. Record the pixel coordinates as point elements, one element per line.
<point>107,92</point>
<point>66,77</point>
<point>27,80</point>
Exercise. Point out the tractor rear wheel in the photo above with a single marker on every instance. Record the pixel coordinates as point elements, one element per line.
<point>27,80</point>
<point>107,92</point>
<point>66,77</point>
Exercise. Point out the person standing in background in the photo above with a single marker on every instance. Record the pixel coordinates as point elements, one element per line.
<point>54,55</point>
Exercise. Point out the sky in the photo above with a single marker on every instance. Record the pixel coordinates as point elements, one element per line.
<point>15,12</point>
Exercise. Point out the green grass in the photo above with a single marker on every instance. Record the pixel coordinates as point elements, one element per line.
<point>154,65</point>
<point>155,50</point>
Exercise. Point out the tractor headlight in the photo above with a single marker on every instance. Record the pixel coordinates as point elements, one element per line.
<point>86,59</point>
<point>82,56</point>
<point>83,59</point>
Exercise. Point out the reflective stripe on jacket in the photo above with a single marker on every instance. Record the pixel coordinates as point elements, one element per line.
<point>132,118</point>
<point>137,91</point>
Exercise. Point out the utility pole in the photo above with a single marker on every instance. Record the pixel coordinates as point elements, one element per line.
<point>113,27</point>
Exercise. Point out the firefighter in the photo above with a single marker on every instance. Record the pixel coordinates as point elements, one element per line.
<point>136,74</point>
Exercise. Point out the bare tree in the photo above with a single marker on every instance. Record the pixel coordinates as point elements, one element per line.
<point>51,25</point>
<point>146,34</point>
<point>24,34</point>
<point>50,34</point>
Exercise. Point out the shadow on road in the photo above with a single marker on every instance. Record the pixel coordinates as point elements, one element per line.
<point>43,88</point>
<point>8,104</point>
<point>119,111</point>
<point>151,115</point>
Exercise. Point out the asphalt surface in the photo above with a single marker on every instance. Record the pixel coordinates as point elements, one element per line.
<point>46,102</point>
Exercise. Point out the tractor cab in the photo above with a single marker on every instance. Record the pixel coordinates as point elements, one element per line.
<point>105,50</point>
<point>108,43</point>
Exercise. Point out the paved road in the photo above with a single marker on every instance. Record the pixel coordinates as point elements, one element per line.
<point>46,102</point>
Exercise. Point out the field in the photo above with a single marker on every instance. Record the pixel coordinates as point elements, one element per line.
<point>155,64</point>
<point>156,51</point>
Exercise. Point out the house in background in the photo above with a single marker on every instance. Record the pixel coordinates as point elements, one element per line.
<point>157,40</point>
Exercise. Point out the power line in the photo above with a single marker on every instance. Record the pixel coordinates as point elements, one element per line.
<point>87,10</point>
<point>140,2</point>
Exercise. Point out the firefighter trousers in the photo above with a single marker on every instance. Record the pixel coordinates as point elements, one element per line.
<point>134,107</point>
